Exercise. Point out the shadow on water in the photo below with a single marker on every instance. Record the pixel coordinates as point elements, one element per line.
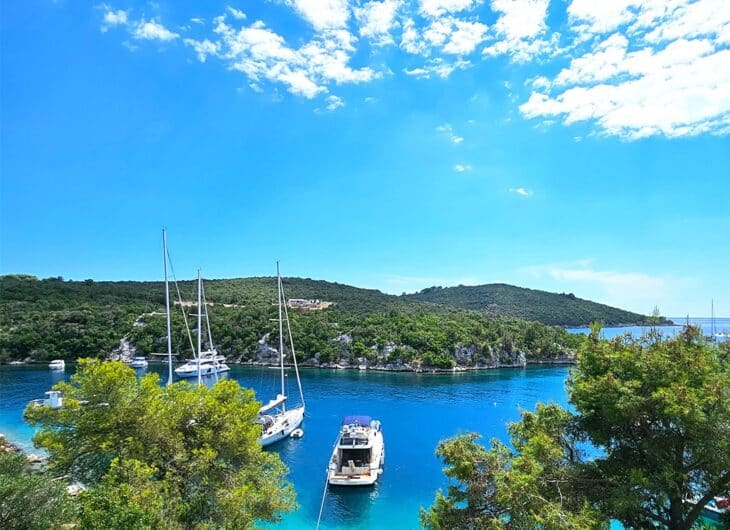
<point>348,507</point>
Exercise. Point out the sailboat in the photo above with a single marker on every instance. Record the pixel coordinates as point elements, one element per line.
<point>206,362</point>
<point>278,422</point>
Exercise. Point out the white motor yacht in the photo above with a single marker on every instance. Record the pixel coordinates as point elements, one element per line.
<point>139,362</point>
<point>359,455</point>
<point>57,364</point>
<point>208,363</point>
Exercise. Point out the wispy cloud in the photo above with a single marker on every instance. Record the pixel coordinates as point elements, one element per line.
<point>522,192</point>
<point>449,131</point>
<point>460,168</point>
<point>638,291</point>
<point>334,103</point>
<point>153,30</point>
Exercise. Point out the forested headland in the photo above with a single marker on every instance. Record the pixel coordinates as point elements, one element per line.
<point>54,318</point>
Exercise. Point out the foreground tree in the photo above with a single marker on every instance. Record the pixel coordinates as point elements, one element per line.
<point>30,500</point>
<point>656,416</point>
<point>529,486</point>
<point>660,411</point>
<point>180,456</point>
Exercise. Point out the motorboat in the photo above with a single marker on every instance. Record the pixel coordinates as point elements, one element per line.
<point>207,363</point>
<point>278,422</point>
<point>139,362</point>
<point>359,454</point>
<point>53,399</point>
<point>57,364</point>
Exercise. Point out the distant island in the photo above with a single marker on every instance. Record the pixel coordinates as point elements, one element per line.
<point>563,309</point>
<point>334,325</point>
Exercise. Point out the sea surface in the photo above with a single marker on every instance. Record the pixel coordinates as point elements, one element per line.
<point>416,412</point>
<point>708,326</point>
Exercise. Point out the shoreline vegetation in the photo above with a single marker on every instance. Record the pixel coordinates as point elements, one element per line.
<point>336,325</point>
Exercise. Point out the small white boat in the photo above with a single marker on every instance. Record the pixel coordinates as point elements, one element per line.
<point>53,399</point>
<point>57,364</point>
<point>278,422</point>
<point>139,362</point>
<point>359,455</point>
<point>297,433</point>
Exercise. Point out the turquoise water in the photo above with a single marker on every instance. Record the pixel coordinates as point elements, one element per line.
<point>416,412</point>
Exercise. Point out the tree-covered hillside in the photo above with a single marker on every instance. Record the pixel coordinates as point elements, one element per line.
<point>53,318</point>
<point>504,300</point>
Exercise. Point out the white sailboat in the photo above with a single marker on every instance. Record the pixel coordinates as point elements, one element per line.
<point>278,422</point>
<point>207,362</point>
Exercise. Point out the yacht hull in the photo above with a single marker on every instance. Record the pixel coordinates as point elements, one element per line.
<point>204,370</point>
<point>284,424</point>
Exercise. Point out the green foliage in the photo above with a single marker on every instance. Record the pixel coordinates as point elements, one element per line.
<point>529,486</point>
<point>52,318</point>
<point>660,410</point>
<point>517,302</point>
<point>30,500</point>
<point>655,414</point>
<point>184,456</point>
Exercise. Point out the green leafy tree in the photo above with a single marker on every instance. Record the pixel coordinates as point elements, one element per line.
<point>660,411</point>
<point>531,485</point>
<point>655,413</point>
<point>186,455</point>
<point>30,500</point>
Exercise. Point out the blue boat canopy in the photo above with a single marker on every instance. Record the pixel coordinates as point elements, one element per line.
<point>357,420</point>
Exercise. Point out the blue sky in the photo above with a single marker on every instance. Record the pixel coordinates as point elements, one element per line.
<point>569,146</point>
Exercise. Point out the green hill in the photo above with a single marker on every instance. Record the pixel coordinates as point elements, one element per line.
<point>504,300</point>
<point>54,318</point>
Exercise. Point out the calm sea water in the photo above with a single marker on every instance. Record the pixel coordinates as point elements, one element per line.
<point>721,325</point>
<point>416,412</point>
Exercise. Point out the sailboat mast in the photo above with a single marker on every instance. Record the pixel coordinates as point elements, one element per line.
<point>200,331</point>
<point>167,308</point>
<point>281,333</point>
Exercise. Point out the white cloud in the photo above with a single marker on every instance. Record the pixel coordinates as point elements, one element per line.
<point>437,67</point>
<point>522,192</point>
<point>334,103</point>
<point>465,37</point>
<point>519,29</point>
<point>114,18</point>
<point>448,130</point>
<point>323,14</point>
<point>649,68</point>
<point>197,20</point>
<point>152,30</point>
<point>435,8</point>
<point>236,13</point>
<point>636,290</point>
<point>377,19</point>
<point>461,168</point>
<point>203,48</point>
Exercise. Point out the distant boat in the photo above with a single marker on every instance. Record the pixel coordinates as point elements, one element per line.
<point>276,421</point>
<point>207,362</point>
<point>53,399</point>
<point>359,454</point>
<point>139,362</point>
<point>57,364</point>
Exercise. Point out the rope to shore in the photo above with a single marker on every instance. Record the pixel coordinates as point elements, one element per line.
<point>326,483</point>
<point>324,496</point>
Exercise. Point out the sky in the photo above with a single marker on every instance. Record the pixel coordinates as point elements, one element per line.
<point>567,145</point>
